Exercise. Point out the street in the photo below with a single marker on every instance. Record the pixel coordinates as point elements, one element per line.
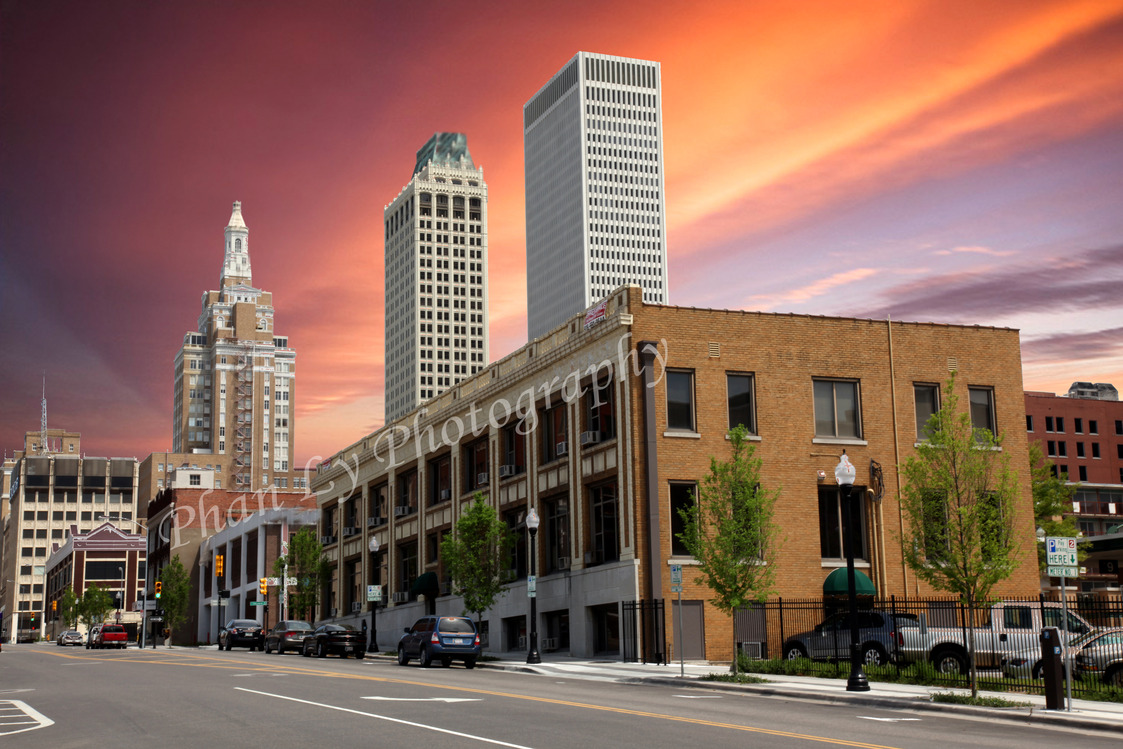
<point>61,697</point>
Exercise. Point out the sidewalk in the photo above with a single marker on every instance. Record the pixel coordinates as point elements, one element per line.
<point>1085,714</point>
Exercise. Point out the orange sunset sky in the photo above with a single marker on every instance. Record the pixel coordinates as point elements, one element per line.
<point>939,161</point>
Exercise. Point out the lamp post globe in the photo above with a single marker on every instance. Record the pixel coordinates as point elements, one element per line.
<point>532,655</point>
<point>844,474</point>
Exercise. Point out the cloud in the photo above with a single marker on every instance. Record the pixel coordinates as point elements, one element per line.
<point>812,290</point>
<point>1089,280</point>
<point>1098,344</point>
<point>978,251</point>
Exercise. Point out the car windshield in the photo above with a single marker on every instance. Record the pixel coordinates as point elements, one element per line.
<point>457,626</point>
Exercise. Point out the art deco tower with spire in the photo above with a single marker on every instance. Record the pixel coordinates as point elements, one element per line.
<point>235,378</point>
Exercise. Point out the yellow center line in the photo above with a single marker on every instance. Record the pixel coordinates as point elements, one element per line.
<point>204,661</point>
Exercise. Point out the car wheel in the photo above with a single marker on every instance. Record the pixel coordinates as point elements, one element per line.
<point>446,662</point>
<point>268,649</point>
<point>794,651</point>
<point>469,663</point>
<point>403,659</point>
<point>426,658</point>
<point>343,653</point>
<point>321,651</point>
<point>229,645</point>
<point>874,655</point>
<point>360,655</point>
<point>305,651</point>
<point>280,648</point>
<point>950,662</point>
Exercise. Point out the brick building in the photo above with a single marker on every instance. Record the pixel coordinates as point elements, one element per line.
<point>621,409</point>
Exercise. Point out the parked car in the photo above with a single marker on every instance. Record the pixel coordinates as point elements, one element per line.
<point>69,637</point>
<point>878,631</point>
<point>1026,663</point>
<point>111,636</point>
<point>241,633</point>
<point>335,638</point>
<point>1102,657</point>
<point>287,635</point>
<point>440,638</point>
<point>91,636</point>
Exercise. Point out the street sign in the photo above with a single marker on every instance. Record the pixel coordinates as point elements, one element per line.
<point>676,574</point>
<point>1060,543</point>
<point>1064,558</point>
<point>531,586</point>
<point>374,593</point>
<point>1063,571</point>
<point>258,603</point>
<point>290,581</point>
<point>676,588</point>
<point>156,619</point>
<point>273,582</point>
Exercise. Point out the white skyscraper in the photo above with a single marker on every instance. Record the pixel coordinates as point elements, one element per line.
<point>436,276</point>
<point>593,140</point>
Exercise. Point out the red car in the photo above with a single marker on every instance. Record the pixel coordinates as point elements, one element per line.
<point>112,636</point>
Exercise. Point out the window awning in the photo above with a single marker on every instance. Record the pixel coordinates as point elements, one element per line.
<point>836,584</point>
<point>425,584</point>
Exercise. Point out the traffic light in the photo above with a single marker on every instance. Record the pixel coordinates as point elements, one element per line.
<point>218,565</point>
<point>263,586</point>
<point>54,606</point>
<point>159,588</point>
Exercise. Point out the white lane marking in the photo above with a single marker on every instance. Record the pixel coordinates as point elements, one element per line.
<point>698,696</point>
<point>14,691</point>
<point>885,720</point>
<point>424,699</point>
<point>38,720</point>
<point>386,718</point>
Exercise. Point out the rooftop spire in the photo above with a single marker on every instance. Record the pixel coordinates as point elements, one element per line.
<point>237,263</point>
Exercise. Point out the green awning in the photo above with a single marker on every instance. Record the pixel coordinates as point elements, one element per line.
<point>836,584</point>
<point>425,584</point>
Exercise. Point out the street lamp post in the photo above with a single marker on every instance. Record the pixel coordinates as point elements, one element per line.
<point>373,646</point>
<point>844,473</point>
<point>121,598</point>
<point>532,655</point>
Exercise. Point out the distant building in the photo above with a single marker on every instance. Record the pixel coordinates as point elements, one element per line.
<point>606,426</point>
<point>54,489</point>
<point>436,276</point>
<point>1082,434</point>
<point>108,557</point>
<point>235,379</point>
<point>595,202</point>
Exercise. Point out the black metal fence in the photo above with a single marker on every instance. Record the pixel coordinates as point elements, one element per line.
<point>644,634</point>
<point>924,640</point>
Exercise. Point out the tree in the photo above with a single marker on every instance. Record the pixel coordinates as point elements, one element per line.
<point>175,598</point>
<point>476,555</point>
<point>95,605</point>
<point>305,562</point>
<point>1052,499</point>
<point>729,529</point>
<point>68,607</point>
<point>958,497</point>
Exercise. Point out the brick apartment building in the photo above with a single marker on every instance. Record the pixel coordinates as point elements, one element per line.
<point>622,408</point>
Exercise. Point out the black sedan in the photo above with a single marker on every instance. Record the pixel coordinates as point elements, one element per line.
<point>241,633</point>
<point>288,634</point>
<point>335,638</point>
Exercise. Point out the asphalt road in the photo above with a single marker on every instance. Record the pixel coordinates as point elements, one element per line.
<point>71,697</point>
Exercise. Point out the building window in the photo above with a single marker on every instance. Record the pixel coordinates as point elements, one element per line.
<point>927,399</point>
<point>1083,472</point>
<point>740,399</point>
<point>514,449</point>
<point>682,498</point>
<point>556,534</point>
<point>1080,450</point>
<point>475,465</point>
<point>554,443</point>
<point>1062,449</point>
<point>195,480</point>
<point>680,400</point>
<point>1049,424</point>
<point>1060,424</point>
<point>837,412</point>
<point>603,539</point>
<point>1029,423</point>
<point>1051,448</point>
<point>982,409</point>
<point>1078,426</point>
<point>407,492</point>
<point>407,566</point>
<point>599,408</point>
<point>440,480</point>
<point>832,527</point>
<point>1095,449</point>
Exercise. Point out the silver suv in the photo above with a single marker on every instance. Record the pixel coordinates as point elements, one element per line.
<point>877,632</point>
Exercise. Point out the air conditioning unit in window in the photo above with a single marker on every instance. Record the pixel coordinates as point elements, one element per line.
<point>401,598</point>
<point>446,494</point>
<point>327,540</point>
<point>374,522</point>
<point>563,563</point>
<point>509,575</point>
<point>549,643</point>
<point>752,650</point>
<point>507,471</point>
<point>446,588</point>
<point>350,530</point>
<point>481,479</point>
<point>401,511</point>
<point>334,613</point>
<point>590,438</point>
<point>561,449</point>
<point>356,607</point>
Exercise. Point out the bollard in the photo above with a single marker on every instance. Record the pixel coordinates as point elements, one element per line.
<point>1052,666</point>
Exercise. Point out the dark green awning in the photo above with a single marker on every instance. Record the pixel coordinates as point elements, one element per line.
<point>836,584</point>
<point>425,584</point>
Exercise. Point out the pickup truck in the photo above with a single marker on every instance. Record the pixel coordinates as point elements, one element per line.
<point>112,636</point>
<point>1012,627</point>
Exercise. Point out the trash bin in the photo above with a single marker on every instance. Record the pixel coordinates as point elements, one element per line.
<point>1052,666</point>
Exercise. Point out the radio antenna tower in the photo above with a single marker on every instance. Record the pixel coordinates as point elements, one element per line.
<point>43,448</point>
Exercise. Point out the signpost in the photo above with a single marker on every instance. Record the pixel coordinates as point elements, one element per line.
<point>676,587</point>
<point>1060,556</point>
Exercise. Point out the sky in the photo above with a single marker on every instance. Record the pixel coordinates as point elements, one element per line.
<point>948,161</point>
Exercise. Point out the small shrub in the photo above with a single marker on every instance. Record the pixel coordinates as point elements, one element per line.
<point>738,678</point>
<point>965,699</point>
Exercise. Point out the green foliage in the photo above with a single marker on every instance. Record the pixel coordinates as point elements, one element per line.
<point>305,562</point>
<point>736,678</point>
<point>729,529</point>
<point>95,605</point>
<point>1052,502</point>
<point>176,596</point>
<point>476,555</point>
<point>68,607</point>
<point>962,699</point>
<point>959,497</point>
